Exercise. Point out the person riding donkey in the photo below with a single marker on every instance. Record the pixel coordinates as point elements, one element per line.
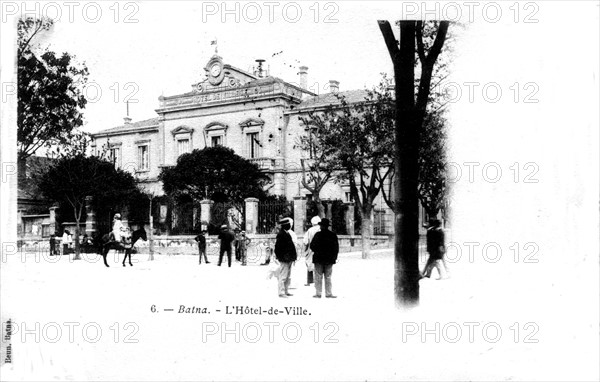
<point>119,232</point>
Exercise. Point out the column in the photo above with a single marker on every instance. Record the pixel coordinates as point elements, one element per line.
<point>52,227</point>
<point>299,215</point>
<point>90,221</point>
<point>20,223</point>
<point>251,215</point>
<point>205,207</point>
<point>349,218</point>
<point>194,217</point>
<point>329,204</point>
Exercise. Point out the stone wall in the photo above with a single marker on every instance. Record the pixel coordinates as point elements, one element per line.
<point>186,245</point>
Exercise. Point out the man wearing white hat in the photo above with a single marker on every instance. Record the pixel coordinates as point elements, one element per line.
<point>118,230</point>
<point>309,253</point>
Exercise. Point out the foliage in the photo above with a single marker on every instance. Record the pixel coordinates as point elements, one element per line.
<point>359,136</point>
<point>318,168</point>
<point>215,173</point>
<point>433,163</point>
<point>50,92</point>
<point>71,179</point>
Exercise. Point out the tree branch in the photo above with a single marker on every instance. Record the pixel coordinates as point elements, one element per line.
<point>389,38</point>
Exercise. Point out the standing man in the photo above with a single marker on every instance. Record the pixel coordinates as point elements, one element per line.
<point>226,238</point>
<point>437,248</point>
<point>285,252</point>
<point>201,240</point>
<point>242,247</point>
<point>52,245</point>
<point>66,240</point>
<point>325,247</point>
<point>310,234</point>
<point>237,244</point>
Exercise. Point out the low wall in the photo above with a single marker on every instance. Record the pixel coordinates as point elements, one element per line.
<point>258,248</point>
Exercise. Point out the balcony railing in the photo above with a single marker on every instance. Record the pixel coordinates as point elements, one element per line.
<point>264,163</point>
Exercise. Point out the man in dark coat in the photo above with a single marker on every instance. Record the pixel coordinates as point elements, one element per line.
<point>226,238</point>
<point>436,247</point>
<point>285,252</point>
<point>325,246</point>
<point>201,240</point>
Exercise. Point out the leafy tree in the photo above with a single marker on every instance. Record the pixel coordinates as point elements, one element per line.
<point>357,136</point>
<point>432,185</point>
<point>320,165</point>
<point>50,91</point>
<point>215,173</point>
<point>72,178</point>
<point>411,110</point>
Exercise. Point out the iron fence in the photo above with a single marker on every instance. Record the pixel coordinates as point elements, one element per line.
<point>269,213</point>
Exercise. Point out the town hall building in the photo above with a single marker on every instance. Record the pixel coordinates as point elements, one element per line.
<point>255,114</point>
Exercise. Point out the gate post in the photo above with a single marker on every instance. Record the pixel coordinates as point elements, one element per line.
<point>205,207</point>
<point>251,206</point>
<point>299,215</point>
<point>329,204</point>
<point>349,218</point>
<point>53,220</point>
<point>90,220</point>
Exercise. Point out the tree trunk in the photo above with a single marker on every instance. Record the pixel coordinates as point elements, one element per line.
<point>320,208</point>
<point>406,247</point>
<point>365,233</point>
<point>151,239</point>
<point>76,242</point>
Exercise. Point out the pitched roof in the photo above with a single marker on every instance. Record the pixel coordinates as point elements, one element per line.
<point>152,122</point>
<point>351,96</point>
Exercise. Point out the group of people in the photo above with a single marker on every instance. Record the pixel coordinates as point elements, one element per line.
<point>67,243</point>
<point>321,248</point>
<point>228,241</point>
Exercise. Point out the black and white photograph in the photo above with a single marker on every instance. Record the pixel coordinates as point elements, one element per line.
<point>300,191</point>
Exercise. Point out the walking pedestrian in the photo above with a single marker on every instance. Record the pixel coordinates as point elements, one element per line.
<point>308,237</point>
<point>437,248</point>
<point>201,240</point>
<point>285,252</point>
<point>325,246</point>
<point>226,238</point>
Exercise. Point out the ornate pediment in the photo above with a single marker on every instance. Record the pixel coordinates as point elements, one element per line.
<point>252,122</point>
<point>216,125</point>
<point>182,130</point>
<point>220,75</point>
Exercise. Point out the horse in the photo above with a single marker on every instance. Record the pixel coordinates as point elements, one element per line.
<point>108,244</point>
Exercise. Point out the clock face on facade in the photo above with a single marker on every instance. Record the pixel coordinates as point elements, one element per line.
<point>215,70</point>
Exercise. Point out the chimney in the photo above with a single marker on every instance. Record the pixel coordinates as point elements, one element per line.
<point>334,86</point>
<point>127,120</point>
<point>303,77</point>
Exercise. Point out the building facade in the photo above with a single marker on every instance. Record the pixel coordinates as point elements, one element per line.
<point>255,114</point>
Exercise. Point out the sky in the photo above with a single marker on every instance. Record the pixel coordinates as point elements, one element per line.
<point>166,50</point>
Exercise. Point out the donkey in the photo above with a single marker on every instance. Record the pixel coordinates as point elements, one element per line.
<point>108,244</point>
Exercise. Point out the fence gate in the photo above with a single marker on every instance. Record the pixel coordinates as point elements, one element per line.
<point>269,213</point>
